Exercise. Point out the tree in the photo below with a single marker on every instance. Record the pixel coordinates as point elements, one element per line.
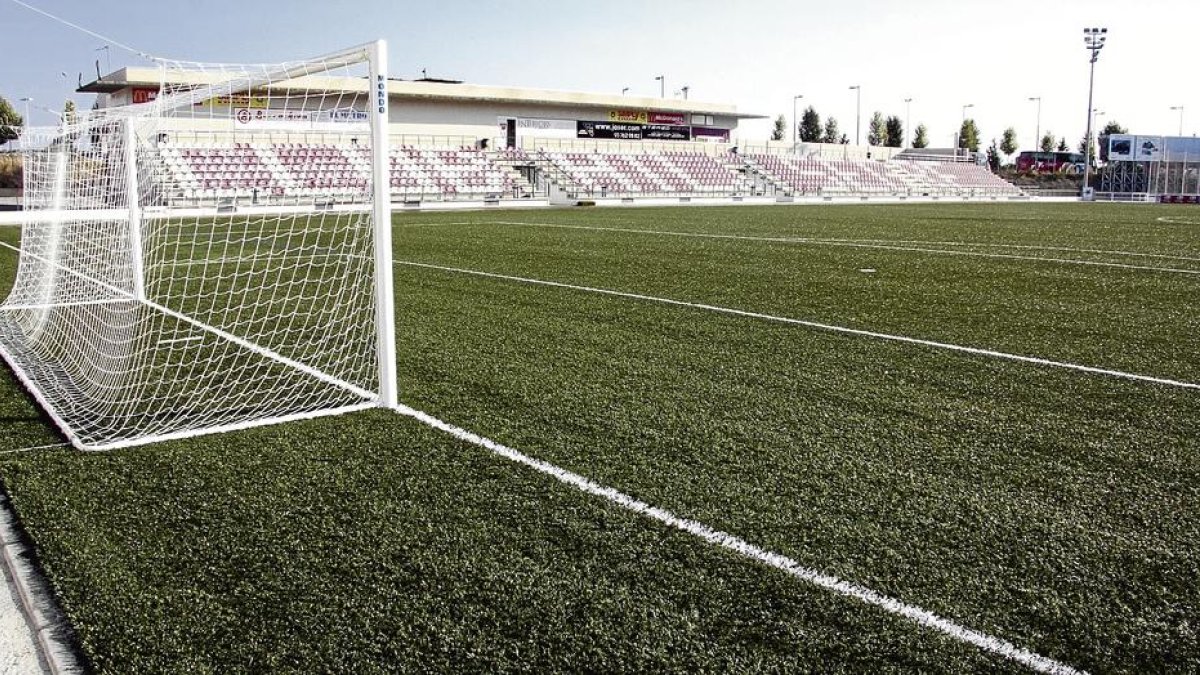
<point>1008,142</point>
<point>780,129</point>
<point>968,136</point>
<point>832,133</point>
<point>921,137</point>
<point>877,132</point>
<point>1089,149</point>
<point>1113,127</point>
<point>10,121</point>
<point>1062,145</point>
<point>895,132</point>
<point>993,156</point>
<point>1047,144</point>
<point>810,126</point>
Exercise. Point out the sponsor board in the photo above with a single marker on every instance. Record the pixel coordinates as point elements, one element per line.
<point>629,116</point>
<point>541,128</point>
<point>237,101</point>
<point>143,95</point>
<point>632,132</point>
<point>338,120</point>
<point>675,119</point>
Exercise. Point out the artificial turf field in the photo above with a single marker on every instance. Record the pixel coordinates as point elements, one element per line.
<point>1050,507</point>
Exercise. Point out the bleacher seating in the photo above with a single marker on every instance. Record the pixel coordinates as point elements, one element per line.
<point>645,174</point>
<point>814,176</point>
<point>302,171</point>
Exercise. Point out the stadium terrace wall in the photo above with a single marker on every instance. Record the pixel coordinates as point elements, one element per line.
<point>436,108</point>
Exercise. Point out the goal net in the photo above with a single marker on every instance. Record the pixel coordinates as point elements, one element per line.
<point>213,259</point>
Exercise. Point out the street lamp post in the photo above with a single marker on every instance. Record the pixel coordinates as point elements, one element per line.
<point>907,116</point>
<point>795,120</point>
<point>27,100</point>
<point>1180,109</point>
<point>625,91</point>
<point>857,114</point>
<point>1037,134</point>
<point>662,86</point>
<point>685,89</point>
<point>1093,40</point>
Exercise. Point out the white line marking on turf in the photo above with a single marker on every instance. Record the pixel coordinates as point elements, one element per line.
<point>34,448</point>
<point>854,244</point>
<point>821,326</point>
<point>1023,247</point>
<point>173,341</point>
<point>1177,221</point>
<point>744,548</point>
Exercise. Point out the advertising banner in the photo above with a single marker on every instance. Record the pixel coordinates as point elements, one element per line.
<point>546,128</point>
<point>662,132</point>
<point>677,119</point>
<point>144,94</point>
<point>1120,147</point>
<point>323,120</point>
<point>608,130</point>
<point>1147,148</point>
<point>629,116</point>
<point>238,101</point>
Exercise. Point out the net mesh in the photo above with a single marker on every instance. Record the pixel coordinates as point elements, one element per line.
<point>204,261</point>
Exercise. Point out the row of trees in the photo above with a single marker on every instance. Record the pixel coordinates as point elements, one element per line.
<point>887,132</point>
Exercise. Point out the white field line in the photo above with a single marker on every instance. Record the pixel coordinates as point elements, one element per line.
<point>58,305</point>
<point>821,326</point>
<point>1177,221</point>
<point>1023,247</point>
<point>854,244</point>
<point>35,448</point>
<point>174,341</point>
<point>743,548</point>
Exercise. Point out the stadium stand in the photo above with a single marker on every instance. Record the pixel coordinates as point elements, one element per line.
<point>294,172</point>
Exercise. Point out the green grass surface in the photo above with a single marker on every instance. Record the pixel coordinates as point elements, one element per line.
<point>1051,508</point>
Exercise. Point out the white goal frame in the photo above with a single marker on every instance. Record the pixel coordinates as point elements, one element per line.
<point>386,395</point>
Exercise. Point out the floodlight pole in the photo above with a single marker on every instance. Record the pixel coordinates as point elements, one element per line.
<point>857,113</point>
<point>962,138</point>
<point>1037,134</point>
<point>907,116</point>
<point>662,86</point>
<point>795,120</point>
<point>1093,40</point>
<point>1180,109</point>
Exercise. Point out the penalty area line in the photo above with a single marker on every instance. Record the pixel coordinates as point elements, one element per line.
<point>976,351</point>
<point>739,546</point>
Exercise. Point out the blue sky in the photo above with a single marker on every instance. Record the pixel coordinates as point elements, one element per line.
<point>943,54</point>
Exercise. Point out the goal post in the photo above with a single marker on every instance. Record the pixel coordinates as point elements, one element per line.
<point>216,259</point>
